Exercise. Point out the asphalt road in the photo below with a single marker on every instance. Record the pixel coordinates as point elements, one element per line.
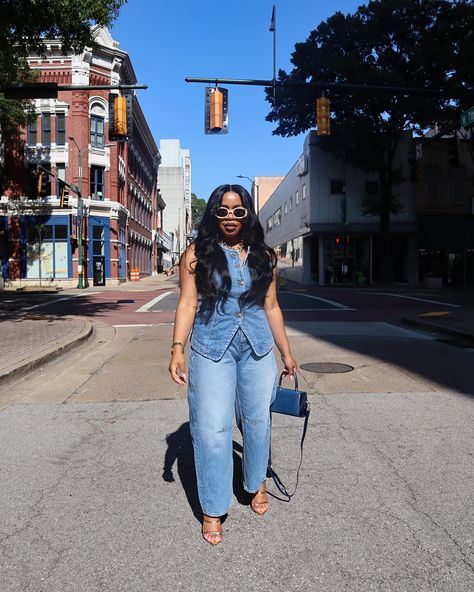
<point>91,444</point>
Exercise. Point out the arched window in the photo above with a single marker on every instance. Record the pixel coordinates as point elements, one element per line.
<point>97,123</point>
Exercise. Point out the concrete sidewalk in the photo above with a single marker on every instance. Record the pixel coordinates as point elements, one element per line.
<point>30,341</point>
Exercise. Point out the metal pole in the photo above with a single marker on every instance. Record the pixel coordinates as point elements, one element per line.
<point>256,195</point>
<point>273,27</point>
<point>80,217</point>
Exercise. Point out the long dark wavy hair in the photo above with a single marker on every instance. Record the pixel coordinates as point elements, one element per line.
<point>210,256</point>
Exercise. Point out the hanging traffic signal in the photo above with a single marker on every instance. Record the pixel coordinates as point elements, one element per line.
<point>216,111</point>
<point>323,116</point>
<point>42,183</point>
<point>63,195</point>
<point>120,117</point>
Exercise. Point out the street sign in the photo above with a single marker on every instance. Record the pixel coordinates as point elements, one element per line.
<point>467,118</point>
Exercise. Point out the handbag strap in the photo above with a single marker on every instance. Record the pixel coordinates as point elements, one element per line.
<point>273,475</point>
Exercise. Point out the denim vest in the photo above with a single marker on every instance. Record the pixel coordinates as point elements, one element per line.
<point>212,338</point>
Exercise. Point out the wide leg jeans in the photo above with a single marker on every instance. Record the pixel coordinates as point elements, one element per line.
<point>240,381</point>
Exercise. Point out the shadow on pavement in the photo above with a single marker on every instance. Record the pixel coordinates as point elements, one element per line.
<point>180,451</point>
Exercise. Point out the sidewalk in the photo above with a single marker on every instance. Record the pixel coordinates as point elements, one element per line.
<point>27,342</point>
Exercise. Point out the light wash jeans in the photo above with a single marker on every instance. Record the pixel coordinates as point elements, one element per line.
<point>239,383</point>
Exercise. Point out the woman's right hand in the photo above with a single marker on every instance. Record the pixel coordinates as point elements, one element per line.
<point>177,367</point>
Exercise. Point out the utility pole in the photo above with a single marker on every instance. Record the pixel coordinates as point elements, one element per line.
<point>256,190</point>
<point>80,218</point>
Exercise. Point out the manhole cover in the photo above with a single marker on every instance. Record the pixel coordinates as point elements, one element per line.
<point>327,367</point>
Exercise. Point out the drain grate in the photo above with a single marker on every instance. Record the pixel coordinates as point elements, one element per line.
<point>326,367</point>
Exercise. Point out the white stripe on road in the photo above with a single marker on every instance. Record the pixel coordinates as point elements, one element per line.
<point>142,325</point>
<point>413,298</point>
<point>335,304</point>
<point>146,307</point>
<point>313,309</point>
<point>48,302</point>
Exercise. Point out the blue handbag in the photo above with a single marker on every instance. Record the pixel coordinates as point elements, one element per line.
<point>290,401</point>
<point>295,403</point>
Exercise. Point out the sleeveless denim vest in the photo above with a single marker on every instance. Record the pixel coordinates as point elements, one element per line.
<point>211,336</point>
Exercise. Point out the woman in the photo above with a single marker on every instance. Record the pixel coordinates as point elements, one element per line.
<point>232,368</point>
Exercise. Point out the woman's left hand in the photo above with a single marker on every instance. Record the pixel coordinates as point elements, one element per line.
<point>290,364</point>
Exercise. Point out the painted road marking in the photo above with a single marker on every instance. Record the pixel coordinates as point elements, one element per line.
<point>352,329</point>
<point>413,298</point>
<point>48,302</point>
<point>313,309</point>
<point>332,302</point>
<point>146,307</point>
<point>142,325</point>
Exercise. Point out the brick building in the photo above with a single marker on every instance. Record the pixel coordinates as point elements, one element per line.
<point>70,138</point>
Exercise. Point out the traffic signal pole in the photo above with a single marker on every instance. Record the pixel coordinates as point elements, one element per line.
<point>456,93</point>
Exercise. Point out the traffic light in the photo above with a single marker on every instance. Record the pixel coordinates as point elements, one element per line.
<point>42,184</point>
<point>323,116</point>
<point>63,195</point>
<point>120,117</point>
<point>216,111</point>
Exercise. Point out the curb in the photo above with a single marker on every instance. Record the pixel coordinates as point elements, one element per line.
<point>439,328</point>
<point>50,355</point>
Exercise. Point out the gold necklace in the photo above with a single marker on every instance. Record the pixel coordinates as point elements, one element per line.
<point>239,247</point>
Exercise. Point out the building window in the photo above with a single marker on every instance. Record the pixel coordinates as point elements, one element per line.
<point>297,197</point>
<point>60,129</point>
<point>60,176</point>
<point>47,249</point>
<point>97,131</point>
<point>291,202</point>
<point>277,217</point>
<point>269,224</point>
<point>32,133</point>
<point>97,182</point>
<point>303,191</point>
<point>285,207</point>
<point>97,240</point>
<point>336,186</point>
<point>46,129</point>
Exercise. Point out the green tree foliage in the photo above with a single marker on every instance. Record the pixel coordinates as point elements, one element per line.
<point>198,206</point>
<point>404,43</point>
<point>23,26</point>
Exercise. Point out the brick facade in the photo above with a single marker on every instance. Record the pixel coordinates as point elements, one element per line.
<point>122,206</point>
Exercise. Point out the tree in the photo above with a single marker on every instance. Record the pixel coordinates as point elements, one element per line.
<point>198,206</point>
<point>404,43</point>
<point>23,27</point>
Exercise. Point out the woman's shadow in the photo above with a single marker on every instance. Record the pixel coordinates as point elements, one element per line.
<point>180,451</point>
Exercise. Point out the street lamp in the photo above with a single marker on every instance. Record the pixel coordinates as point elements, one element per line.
<point>255,187</point>
<point>80,215</point>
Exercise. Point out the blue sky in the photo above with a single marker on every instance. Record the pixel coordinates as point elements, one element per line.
<point>169,41</point>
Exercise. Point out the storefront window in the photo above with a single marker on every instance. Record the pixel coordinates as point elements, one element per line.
<point>46,250</point>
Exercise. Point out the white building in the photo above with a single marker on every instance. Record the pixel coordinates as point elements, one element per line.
<point>174,182</point>
<point>317,225</point>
